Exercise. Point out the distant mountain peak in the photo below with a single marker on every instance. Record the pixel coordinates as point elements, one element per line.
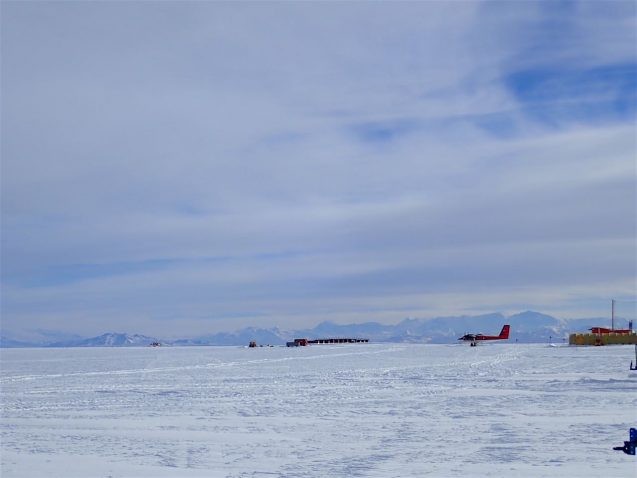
<point>530,313</point>
<point>110,339</point>
<point>526,326</point>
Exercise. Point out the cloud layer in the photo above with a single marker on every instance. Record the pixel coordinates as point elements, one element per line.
<point>189,167</point>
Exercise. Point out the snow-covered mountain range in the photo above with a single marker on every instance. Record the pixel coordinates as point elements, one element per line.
<point>109,340</point>
<point>526,327</point>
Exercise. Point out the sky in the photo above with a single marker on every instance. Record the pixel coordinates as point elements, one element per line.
<point>177,168</point>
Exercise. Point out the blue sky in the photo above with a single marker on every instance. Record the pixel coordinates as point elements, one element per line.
<point>181,168</point>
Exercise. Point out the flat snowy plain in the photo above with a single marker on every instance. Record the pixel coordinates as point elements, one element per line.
<point>376,410</point>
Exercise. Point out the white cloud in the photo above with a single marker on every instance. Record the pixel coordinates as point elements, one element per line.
<point>270,159</point>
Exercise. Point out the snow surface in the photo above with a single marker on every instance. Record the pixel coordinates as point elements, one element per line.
<point>374,410</point>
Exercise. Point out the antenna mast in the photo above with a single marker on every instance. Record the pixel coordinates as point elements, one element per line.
<point>612,314</point>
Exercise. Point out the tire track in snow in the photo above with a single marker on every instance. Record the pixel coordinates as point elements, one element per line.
<point>25,378</point>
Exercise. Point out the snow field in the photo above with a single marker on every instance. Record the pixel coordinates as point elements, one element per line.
<point>373,410</point>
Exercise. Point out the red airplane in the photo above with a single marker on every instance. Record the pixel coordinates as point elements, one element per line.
<point>474,338</point>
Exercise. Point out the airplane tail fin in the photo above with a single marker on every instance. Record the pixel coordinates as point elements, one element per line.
<point>504,333</point>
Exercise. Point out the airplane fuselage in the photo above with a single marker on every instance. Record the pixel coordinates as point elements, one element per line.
<point>504,335</point>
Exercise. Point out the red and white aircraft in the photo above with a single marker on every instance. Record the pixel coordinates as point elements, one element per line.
<point>474,338</point>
